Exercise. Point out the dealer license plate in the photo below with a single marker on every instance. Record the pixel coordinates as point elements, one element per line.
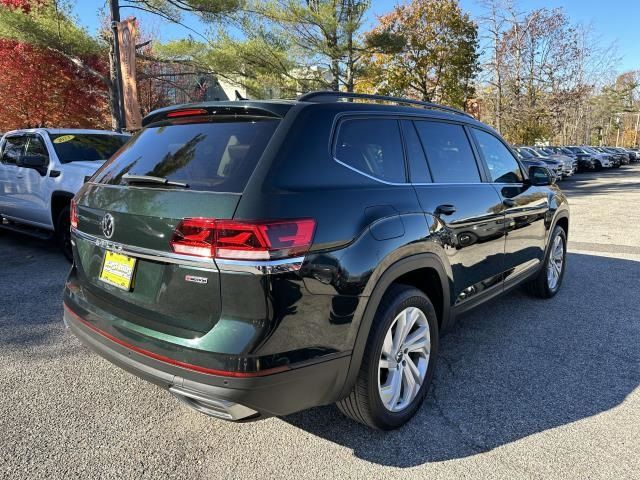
<point>117,270</point>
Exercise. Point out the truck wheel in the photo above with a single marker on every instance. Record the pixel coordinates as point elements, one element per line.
<point>63,232</point>
<point>398,363</point>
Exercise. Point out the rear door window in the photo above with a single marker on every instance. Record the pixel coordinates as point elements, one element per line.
<point>213,156</point>
<point>449,152</point>
<point>418,168</point>
<point>372,146</point>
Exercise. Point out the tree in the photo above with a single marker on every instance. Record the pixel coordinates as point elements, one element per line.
<point>425,49</point>
<point>318,33</point>
<point>49,24</point>
<point>41,88</point>
<point>542,71</point>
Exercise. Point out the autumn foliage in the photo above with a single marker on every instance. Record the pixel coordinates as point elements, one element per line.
<point>24,5</point>
<point>39,87</point>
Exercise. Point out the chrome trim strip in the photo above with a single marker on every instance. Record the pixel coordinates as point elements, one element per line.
<point>421,184</point>
<point>260,267</point>
<point>255,267</point>
<point>147,253</point>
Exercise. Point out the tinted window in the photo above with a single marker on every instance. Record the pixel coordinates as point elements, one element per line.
<point>36,147</point>
<point>448,152</point>
<point>372,146</point>
<point>13,148</point>
<point>503,166</point>
<point>213,156</point>
<point>418,168</point>
<point>86,147</point>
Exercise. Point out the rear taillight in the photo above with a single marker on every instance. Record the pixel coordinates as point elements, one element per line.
<point>206,237</point>
<point>74,214</point>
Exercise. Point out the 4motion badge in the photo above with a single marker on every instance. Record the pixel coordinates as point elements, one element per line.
<point>194,279</point>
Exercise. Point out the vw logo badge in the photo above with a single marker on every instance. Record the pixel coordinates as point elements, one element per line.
<point>107,225</point>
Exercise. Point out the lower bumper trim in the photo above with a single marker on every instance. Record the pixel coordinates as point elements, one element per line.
<point>230,398</point>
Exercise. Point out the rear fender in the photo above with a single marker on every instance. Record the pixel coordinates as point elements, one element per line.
<point>395,271</point>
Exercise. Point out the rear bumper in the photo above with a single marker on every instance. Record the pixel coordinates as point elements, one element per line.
<point>229,398</point>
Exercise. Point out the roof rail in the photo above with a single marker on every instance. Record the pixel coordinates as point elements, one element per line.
<point>332,96</point>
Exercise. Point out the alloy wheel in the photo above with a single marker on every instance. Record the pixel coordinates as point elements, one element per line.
<point>555,264</point>
<point>404,359</point>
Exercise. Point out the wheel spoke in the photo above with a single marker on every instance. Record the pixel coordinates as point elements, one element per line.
<point>558,251</point>
<point>403,326</point>
<point>413,370</point>
<point>418,340</point>
<point>410,385</point>
<point>390,392</point>
<point>387,346</point>
<point>387,363</point>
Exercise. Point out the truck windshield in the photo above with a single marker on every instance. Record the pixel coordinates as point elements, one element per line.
<point>86,147</point>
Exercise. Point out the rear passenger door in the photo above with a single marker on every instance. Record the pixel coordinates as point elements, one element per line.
<point>525,206</point>
<point>464,212</point>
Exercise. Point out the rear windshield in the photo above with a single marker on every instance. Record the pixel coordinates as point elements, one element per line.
<point>216,157</point>
<point>86,147</point>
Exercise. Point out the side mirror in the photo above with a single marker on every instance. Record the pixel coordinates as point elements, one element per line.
<point>540,176</point>
<point>37,162</point>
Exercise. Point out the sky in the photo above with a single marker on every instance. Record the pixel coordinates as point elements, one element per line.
<point>614,21</point>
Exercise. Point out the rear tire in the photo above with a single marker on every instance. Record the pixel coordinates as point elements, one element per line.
<point>63,232</point>
<point>398,363</point>
<point>549,280</point>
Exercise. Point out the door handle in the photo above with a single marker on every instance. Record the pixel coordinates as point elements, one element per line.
<point>445,210</point>
<point>509,202</point>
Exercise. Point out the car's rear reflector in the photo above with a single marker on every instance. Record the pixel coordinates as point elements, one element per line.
<point>74,214</point>
<point>238,240</point>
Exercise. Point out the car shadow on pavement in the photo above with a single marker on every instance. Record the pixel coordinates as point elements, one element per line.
<point>515,367</point>
<point>30,293</point>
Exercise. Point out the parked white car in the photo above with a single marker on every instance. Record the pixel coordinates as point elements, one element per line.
<point>41,169</point>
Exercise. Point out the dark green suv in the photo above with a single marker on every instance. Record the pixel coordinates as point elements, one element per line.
<point>258,258</point>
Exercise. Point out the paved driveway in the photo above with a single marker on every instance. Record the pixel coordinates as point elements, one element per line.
<point>524,389</point>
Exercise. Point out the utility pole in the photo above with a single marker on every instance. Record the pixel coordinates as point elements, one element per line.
<point>117,88</point>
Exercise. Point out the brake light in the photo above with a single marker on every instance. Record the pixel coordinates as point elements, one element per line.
<point>206,237</point>
<point>74,214</point>
<point>187,112</point>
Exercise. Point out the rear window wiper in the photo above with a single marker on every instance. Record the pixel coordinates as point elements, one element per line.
<point>151,180</point>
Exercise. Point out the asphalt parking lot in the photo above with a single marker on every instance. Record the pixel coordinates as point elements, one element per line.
<point>524,388</point>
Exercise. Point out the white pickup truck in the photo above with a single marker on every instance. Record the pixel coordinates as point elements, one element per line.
<point>41,169</point>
